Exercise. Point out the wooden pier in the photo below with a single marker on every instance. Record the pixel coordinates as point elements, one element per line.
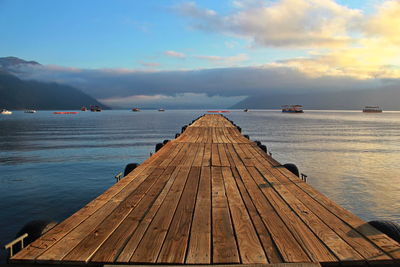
<point>212,196</point>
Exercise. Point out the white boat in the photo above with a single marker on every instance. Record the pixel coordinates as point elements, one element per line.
<point>161,109</point>
<point>5,112</point>
<point>292,108</point>
<point>30,111</point>
<point>372,109</point>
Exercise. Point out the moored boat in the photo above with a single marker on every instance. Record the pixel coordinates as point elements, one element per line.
<point>161,109</point>
<point>5,112</point>
<point>135,109</point>
<point>246,110</point>
<point>95,109</point>
<point>372,109</point>
<point>30,111</point>
<point>83,108</point>
<point>292,108</point>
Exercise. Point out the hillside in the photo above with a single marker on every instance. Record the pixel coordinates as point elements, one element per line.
<point>20,94</point>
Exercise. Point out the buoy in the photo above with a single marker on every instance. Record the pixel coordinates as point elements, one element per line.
<point>292,168</point>
<point>263,148</point>
<point>158,146</point>
<point>130,167</point>
<point>389,228</point>
<point>34,229</point>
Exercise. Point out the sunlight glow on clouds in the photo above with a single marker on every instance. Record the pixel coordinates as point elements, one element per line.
<point>341,41</point>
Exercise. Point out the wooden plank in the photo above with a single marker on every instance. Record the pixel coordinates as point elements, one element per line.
<point>246,160</point>
<point>198,160</point>
<point>249,245</point>
<point>222,155</point>
<point>308,264</point>
<point>150,245</point>
<point>199,251</point>
<point>134,240</point>
<point>114,244</point>
<point>175,244</point>
<point>207,155</point>
<point>316,249</point>
<point>87,232</point>
<point>288,246</point>
<point>215,161</point>
<point>265,237</point>
<point>224,244</point>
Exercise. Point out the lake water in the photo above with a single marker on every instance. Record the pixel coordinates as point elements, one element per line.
<point>52,165</point>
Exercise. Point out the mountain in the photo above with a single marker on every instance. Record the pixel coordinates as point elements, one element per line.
<point>24,94</point>
<point>19,94</point>
<point>7,62</point>
<point>387,98</point>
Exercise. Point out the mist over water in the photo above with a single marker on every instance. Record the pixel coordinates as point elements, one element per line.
<point>52,165</point>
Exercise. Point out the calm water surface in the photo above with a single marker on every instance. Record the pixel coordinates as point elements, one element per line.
<point>52,165</point>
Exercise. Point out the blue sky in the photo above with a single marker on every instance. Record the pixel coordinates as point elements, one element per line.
<point>121,34</point>
<point>310,44</point>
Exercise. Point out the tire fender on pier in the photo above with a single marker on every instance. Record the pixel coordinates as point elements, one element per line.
<point>391,229</point>
<point>130,167</point>
<point>292,168</point>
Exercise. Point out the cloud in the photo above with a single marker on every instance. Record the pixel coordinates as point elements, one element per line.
<point>279,77</point>
<point>183,100</point>
<point>385,24</point>
<point>285,23</point>
<point>340,41</point>
<point>150,64</point>
<point>225,60</point>
<point>172,53</point>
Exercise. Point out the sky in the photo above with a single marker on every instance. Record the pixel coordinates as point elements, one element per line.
<point>126,52</point>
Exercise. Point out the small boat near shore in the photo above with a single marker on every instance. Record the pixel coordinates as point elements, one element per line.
<point>292,108</point>
<point>161,109</point>
<point>95,109</point>
<point>136,109</point>
<point>246,110</point>
<point>5,112</point>
<point>30,111</point>
<point>84,108</point>
<point>372,109</point>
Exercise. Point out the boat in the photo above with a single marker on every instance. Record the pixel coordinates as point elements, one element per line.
<point>135,109</point>
<point>83,108</point>
<point>246,110</point>
<point>30,111</point>
<point>95,109</point>
<point>292,108</point>
<point>161,109</point>
<point>372,109</point>
<point>5,112</point>
<point>65,112</point>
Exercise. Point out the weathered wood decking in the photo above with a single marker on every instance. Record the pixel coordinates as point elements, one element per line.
<point>211,196</point>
